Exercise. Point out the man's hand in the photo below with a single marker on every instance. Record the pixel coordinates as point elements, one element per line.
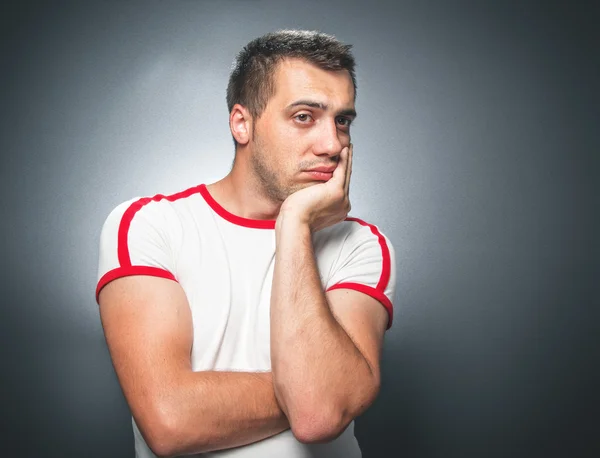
<point>324,204</point>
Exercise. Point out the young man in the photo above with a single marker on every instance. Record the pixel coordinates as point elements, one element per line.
<point>245,318</point>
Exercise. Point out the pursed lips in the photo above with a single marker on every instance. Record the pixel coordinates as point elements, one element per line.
<point>323,173</point>
<point>322,169</point>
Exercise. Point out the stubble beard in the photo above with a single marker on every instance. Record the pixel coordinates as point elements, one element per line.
<point>268,179</point>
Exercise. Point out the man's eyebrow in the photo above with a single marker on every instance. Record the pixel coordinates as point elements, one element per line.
<point>322,106</point>
<point>348,112</point>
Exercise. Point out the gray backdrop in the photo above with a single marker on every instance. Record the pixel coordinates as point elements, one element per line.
<point>475,152</point>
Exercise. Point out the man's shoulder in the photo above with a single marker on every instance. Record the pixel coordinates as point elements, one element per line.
<point>351,226</point>
<point>351,233</point>
<point>157,207</point>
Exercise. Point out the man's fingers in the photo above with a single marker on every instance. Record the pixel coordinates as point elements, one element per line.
<point>348,169</point>
<point>339,174</point>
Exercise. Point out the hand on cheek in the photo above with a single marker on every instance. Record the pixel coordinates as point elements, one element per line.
<point>324,204</point>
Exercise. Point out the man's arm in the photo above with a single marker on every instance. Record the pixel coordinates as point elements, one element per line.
<point>325,349</point>
<point>148,327</point>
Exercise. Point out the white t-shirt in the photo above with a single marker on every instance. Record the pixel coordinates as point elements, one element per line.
<point>224,263</point>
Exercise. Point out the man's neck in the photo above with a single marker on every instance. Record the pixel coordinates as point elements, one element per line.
<point>238,193</point>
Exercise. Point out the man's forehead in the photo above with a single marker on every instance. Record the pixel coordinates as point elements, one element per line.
<point>297,79</point>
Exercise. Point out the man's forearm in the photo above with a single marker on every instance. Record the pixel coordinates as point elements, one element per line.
<point>318,371</point>
<point>217,410</point>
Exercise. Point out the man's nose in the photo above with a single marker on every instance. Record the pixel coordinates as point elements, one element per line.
<point>328,142</point>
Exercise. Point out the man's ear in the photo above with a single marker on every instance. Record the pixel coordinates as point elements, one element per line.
<point>240,124</point>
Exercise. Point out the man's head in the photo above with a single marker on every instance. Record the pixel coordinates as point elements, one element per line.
<point>291,101</point>
<point>251,81</point>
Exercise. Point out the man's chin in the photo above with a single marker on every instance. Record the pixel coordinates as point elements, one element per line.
<point>305,184</point>
<point>299,187</point>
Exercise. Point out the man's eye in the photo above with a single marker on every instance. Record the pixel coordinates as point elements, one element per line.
<point>344,122</point>
<point>303,117</point>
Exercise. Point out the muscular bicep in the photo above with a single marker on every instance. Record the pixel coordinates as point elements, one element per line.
<point>148,327</point>
<point>364,319</point>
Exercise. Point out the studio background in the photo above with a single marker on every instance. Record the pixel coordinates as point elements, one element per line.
<point>476,152</point>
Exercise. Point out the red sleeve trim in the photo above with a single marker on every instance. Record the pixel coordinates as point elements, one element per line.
<point>385,253</point>
<point>127,218</point>
<point>131,270</point>
<point>379,291</point>
<point>374,293</point>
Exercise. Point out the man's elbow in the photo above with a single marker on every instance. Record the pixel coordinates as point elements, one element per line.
<point>321,424</point>
<point>164,433</point>
<point>318,427</point>
<point>161,447</point>
<point>160,434</point>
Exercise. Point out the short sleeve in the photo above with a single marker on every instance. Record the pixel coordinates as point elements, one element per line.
<point>367,263</point>
<point>136,239</point>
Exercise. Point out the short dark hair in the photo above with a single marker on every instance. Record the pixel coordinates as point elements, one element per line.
<point>251,80</point>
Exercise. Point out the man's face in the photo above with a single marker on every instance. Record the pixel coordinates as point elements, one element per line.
<point>304,127</point>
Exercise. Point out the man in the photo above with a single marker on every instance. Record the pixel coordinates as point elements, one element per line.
<point>245,318</point>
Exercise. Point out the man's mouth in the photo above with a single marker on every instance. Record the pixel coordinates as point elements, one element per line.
<point>323,169</point>
<point>323,173</point>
